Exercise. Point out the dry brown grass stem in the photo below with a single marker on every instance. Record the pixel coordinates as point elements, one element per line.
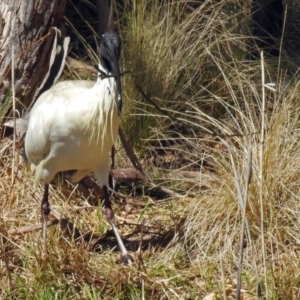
<point>14,113</point>
<point>261,169</point>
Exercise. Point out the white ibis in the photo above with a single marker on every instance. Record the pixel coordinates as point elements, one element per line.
<point>74,125</point>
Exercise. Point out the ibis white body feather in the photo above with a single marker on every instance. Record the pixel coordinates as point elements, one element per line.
<point>73,126</point>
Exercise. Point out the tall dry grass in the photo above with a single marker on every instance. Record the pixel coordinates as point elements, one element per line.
<point>167,47</point>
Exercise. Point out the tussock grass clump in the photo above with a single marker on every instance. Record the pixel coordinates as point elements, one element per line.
<point>167,47</point>
<point>212,230</point>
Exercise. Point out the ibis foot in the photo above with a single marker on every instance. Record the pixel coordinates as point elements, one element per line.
<point>126,260</point>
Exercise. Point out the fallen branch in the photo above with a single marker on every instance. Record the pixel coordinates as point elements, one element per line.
<point>135,162</point>
<point>31,228</point>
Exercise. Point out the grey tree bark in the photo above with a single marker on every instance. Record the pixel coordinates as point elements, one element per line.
<point>30,27</point>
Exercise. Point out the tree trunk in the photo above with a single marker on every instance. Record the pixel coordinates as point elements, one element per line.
<point>31,28</point>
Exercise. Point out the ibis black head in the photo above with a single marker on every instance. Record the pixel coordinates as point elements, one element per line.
<point>110,48</point>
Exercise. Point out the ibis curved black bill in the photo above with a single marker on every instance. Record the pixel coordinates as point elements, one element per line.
<point>110,48</point>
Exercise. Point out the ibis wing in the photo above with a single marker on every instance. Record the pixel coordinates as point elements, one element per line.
<point>44,114</point>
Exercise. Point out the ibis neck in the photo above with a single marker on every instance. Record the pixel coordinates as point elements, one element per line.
<point>101,79</point>
<point>100,67</point>
<point>113,83</point>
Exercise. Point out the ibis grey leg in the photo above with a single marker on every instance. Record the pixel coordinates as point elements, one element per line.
<point>125,257</point>
<point>45,208</point>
